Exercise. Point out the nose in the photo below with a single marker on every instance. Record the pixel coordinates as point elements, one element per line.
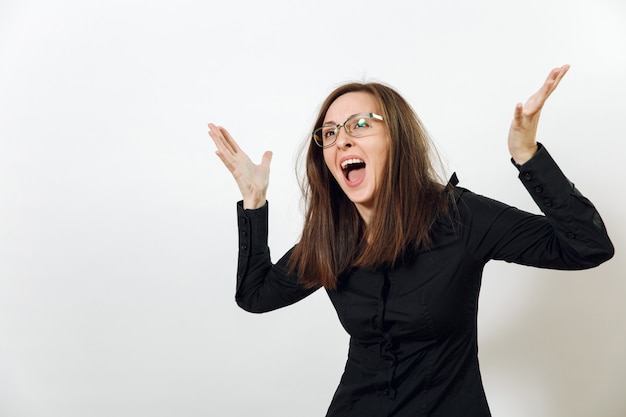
<point>343,139</point>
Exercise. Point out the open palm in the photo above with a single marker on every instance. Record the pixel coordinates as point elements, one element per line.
<point>523,132</point>
<point>252,179</point>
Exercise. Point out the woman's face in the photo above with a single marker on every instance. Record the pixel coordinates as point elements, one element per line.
<point>357,164</point>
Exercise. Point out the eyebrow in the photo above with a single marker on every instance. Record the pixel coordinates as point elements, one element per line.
<point>333,123</point>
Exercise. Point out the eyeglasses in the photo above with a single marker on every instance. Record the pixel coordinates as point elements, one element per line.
<point>357,125</point>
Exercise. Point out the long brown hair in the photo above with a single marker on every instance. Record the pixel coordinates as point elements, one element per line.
<point>335,238</point>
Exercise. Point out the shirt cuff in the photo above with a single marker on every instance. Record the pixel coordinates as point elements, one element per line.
<point>253,229</point>
<point>544,180</point>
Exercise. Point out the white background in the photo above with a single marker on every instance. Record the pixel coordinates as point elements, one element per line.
<point>118,229</point>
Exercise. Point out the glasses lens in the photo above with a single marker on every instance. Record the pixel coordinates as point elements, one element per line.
<point>324,136</point>
<point>317,137</point>
<point>359,124</point>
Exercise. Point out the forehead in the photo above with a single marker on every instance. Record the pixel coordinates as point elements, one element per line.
<point>348,104</point>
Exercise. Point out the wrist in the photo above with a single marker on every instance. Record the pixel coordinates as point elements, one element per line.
<point>253,203</point>
<point>523,155</point>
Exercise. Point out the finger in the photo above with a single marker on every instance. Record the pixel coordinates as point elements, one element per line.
<point>227,161</point>
<point>518,115</point>
<point>217,137</point>
<point>217,134</point>
<point>560,73</point>
<point>267,158</point>
<point>229,140</point>
<point>555,77</point>
<point>537,101</point>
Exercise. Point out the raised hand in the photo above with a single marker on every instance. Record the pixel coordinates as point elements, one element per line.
<point>252,179</point>
<point>523,132</point>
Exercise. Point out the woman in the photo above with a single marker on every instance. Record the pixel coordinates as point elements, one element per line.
<point>399,253</point>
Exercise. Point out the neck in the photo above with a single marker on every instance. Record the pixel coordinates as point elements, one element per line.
<point>365,213</point>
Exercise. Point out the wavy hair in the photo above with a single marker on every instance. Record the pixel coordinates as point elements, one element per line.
<point>409,198</point>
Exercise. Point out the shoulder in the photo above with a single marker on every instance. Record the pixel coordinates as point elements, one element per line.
<point>467,202</point>
<point>468,210</point>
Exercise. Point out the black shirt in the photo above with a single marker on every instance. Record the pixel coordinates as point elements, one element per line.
<point>413,328</point>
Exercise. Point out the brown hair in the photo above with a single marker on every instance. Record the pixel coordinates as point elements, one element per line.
<point>335,238</point>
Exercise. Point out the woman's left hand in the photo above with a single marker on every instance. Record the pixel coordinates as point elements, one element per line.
<point>523,131</point>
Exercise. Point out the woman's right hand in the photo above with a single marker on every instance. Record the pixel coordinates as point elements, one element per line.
<point>252,179</point>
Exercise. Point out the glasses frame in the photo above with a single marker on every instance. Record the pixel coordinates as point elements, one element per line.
<point>372,116</point>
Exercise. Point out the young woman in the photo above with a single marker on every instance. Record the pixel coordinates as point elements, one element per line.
<point>401,254</point>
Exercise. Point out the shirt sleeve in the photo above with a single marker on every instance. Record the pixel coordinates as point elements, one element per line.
<point>569,235</point>
<point>261,285</point>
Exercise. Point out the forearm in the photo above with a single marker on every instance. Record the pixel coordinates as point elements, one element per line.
<point>261,285</point>
<point>575,220</point>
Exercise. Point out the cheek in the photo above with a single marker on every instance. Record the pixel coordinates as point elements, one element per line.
<point>384,154</point>
<point>381,154</point>
<point>329,157</point>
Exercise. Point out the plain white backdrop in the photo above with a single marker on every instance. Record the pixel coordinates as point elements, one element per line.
<point>118,233</point>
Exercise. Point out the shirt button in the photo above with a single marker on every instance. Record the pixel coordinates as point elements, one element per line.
<point>244,247</point>
<point>242,219</point>
<point>528,176</point>
<point>548,203</point>
<point>539,189</point>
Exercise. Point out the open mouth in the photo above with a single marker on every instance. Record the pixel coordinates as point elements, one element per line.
<point>353,169</point>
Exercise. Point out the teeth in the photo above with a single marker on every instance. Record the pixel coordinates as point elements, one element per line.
<point>347,162</point>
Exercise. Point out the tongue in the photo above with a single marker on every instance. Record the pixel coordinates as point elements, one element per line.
<point>356,174</point>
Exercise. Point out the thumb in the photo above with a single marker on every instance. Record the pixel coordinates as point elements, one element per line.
<point>267,158</point>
